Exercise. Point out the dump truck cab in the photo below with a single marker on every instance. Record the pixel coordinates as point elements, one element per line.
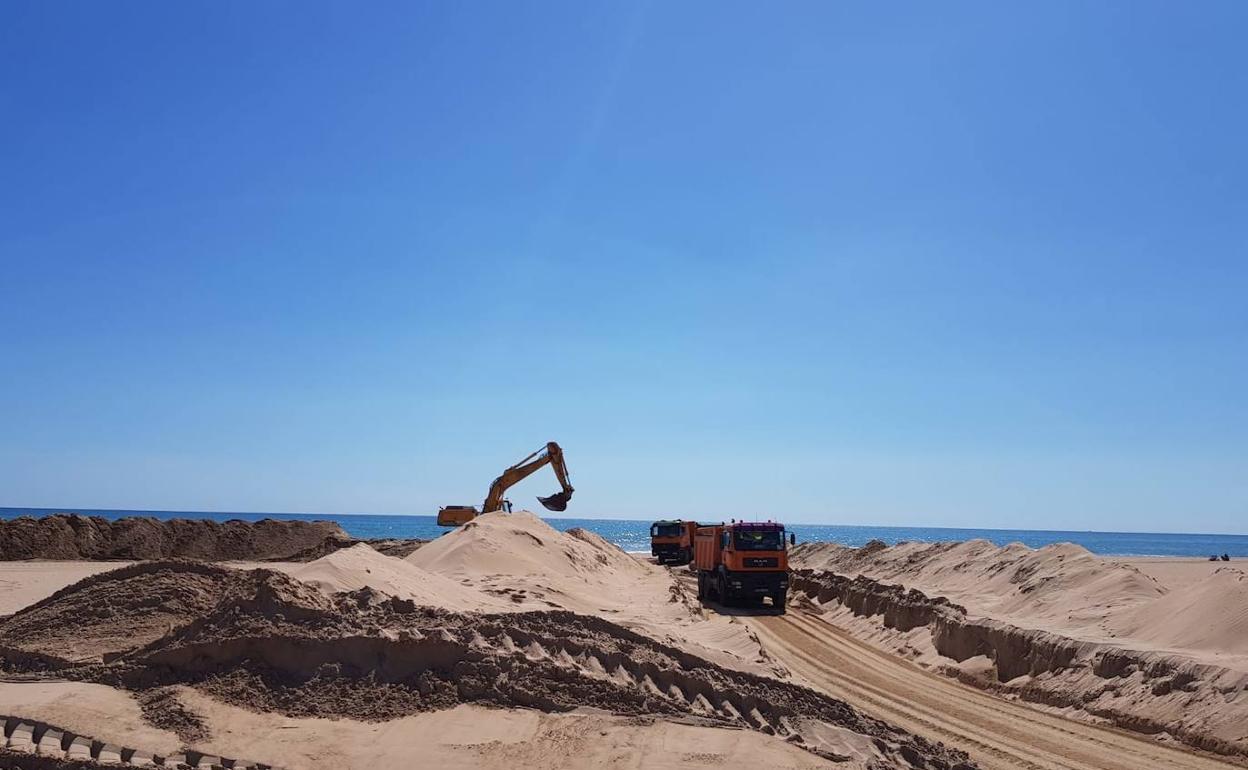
<point>671,540</point>
<point>743,562</point>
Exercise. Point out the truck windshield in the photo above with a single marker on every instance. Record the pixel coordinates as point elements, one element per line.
<point>760,540</point>
<point>665,530</point>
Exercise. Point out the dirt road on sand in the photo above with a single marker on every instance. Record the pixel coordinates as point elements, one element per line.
<point>998,733</point>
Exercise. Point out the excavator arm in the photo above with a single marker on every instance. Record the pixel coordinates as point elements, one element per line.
<point>550,454</point>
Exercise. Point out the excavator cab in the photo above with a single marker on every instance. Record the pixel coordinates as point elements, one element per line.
<point>455,515</point>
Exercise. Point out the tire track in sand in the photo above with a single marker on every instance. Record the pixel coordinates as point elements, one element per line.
<point>998,733</point>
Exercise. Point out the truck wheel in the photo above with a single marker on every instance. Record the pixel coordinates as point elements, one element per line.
<point>723,592</point>
<point>701,587</point>
<point>777,601</point>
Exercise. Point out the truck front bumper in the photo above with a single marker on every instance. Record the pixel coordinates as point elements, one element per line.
<point>747,584</point>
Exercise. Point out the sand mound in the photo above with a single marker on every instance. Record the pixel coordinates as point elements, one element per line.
<point>528,564</point>
<point>1144,690</point>
<point>70,536</point>
<point>266,641</point>
<point>1057,625</point>
<point>520,544</point>
<point>114,612</point>
<point>360,566</point>
<point>364,656</point>
<point>1062,588</point>
<point>1211,615</point>
<point>1061,585</point>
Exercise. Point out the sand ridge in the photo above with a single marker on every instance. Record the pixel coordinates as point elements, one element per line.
<point>275,644</point>
<point>360,566</point>
<point>467,737</point>
<point>509,616</point>
<point>1063,588</point>
<point>1103,640</point>
<point>73,536</point>
<point>522,560</point>
<point>112,612</point>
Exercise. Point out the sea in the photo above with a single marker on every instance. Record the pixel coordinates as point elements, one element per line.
<point>634,535</point>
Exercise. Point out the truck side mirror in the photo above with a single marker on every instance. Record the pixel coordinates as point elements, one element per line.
<point>792,539</point>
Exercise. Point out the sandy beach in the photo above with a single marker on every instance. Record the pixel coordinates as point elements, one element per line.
<point>624,385</point>
<point>509,643</point>
<point>1151,645</point>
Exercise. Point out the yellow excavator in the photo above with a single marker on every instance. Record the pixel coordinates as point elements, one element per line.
<point>455,515</point>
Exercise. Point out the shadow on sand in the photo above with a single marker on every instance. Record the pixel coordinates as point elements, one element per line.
<point>750,610</point>
<point>689,581</point>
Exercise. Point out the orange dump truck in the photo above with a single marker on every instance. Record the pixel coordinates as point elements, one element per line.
<point>672,541</point>
<point>742,562</point>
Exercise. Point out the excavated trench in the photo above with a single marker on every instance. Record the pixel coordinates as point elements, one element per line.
<point>1103,680</point>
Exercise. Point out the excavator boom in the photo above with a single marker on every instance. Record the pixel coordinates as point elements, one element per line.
<point>559,500</point>
<point>454,515</point>
<point>551,454</point>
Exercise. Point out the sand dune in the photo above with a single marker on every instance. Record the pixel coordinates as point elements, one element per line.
<point>1063,588</point>
<point>464,737</point>
<point>1100,638</point>
<point>265,641</point>
<point>360,566</point>
<point>1002,734</point>
<point>362,658</point>
<point>523,561</point>
<point>1209,616</point>
<point>73,536</point>
<point>522,544</point>
<point>22,583</point>
<point>1061,583</point>
<point>114,611</point>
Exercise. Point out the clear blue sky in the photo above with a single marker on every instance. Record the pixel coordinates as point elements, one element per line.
<point>965,264</point>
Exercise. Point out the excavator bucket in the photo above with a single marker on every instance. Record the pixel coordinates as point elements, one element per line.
<point>556,502</point>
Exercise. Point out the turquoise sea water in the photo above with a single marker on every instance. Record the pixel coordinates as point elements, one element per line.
<point>633,535</point>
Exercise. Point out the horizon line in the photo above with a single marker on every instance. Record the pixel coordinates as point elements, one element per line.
<point>67,510</point>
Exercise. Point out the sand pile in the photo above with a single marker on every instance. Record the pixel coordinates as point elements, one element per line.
<point>519,544</point>
<point>375,658</point>
<point>273,644</point>
<point>1210,615</point>
<point>1061,585</point>
<point>1063,588</point>
<point>520,558</point>
<point>528,564</point>
<point>70,536</point>
<point>1055,625</point>
<point>359,566</point>
<point>114,612</point>
<point>477,737</point>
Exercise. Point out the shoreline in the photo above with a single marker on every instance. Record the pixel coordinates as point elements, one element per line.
<point>9,512</point>
<point>633,534</point>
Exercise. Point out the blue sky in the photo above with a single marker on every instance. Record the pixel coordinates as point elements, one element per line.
<point>963,264</point>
